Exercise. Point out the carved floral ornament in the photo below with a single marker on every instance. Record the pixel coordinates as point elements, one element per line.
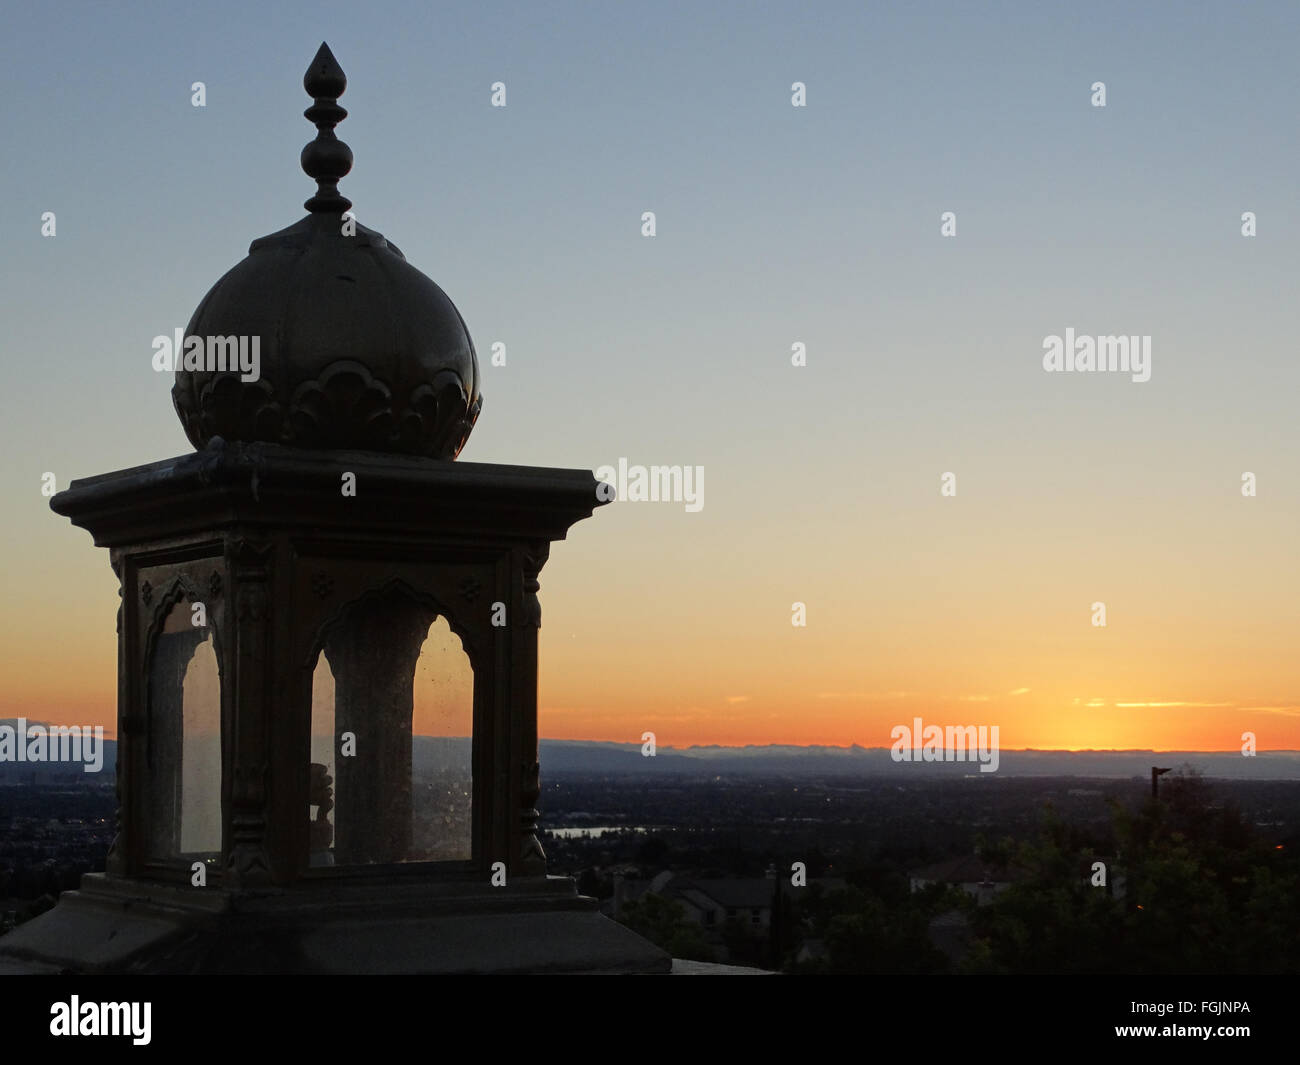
<point>346,406</point>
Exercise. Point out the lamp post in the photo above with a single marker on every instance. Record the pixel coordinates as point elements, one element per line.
<point>1156,774</point>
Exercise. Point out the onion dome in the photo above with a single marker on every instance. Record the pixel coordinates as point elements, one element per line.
<point>342,343</point>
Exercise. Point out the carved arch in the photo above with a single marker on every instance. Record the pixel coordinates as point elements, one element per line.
<point>180,588</point>
<point>469,639</point>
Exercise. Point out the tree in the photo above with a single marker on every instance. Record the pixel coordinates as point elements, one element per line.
<point>1203,894</point>
<point>664,922</point>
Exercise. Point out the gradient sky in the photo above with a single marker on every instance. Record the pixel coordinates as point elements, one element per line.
<point>775,225</point>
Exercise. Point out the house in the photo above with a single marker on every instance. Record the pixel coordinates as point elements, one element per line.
<point>712,902</point>
<point>980,879</point>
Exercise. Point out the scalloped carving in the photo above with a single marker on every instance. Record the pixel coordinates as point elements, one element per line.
<point>346,406</point>
<point>234,409</point>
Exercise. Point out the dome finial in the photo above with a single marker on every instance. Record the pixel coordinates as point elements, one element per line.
<point>326,158</point>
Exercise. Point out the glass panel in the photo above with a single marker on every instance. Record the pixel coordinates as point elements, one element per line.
<point>322,768</point>
<point>442,768</point>
<point>391,739</point>
<point>183,779</point>
<point>201,754</point>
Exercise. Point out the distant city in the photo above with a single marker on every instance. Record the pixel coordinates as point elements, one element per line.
<point>837,860</point>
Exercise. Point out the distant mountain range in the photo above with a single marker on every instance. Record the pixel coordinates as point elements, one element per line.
<point>437,755</point>
<point>575,756</point>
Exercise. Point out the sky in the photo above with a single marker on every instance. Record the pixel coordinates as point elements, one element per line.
<point>775,225</point>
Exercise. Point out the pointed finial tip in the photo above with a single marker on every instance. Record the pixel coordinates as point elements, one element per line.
<point>325,78</point>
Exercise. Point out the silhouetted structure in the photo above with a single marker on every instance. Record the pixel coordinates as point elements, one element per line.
<point>322,515</point>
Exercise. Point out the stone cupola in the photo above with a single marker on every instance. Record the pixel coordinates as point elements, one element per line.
<point>358,348</point>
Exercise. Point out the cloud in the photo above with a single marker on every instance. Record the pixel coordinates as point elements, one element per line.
<point>1019,691</point>
<point>1130,705</point>
<point>738,698</point>
<point>974,698</point>
<point>1287,711</point>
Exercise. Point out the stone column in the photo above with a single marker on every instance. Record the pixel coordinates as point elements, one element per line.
<point>248,693</point>
<point>529,858</point>
<point>373,656</point>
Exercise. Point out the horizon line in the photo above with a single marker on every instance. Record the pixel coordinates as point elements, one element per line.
<point>887,747</point>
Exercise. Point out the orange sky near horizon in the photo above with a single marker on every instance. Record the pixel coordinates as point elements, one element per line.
<point>1196,728</point>
<point>948,617</point>
<point>580,704</point>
